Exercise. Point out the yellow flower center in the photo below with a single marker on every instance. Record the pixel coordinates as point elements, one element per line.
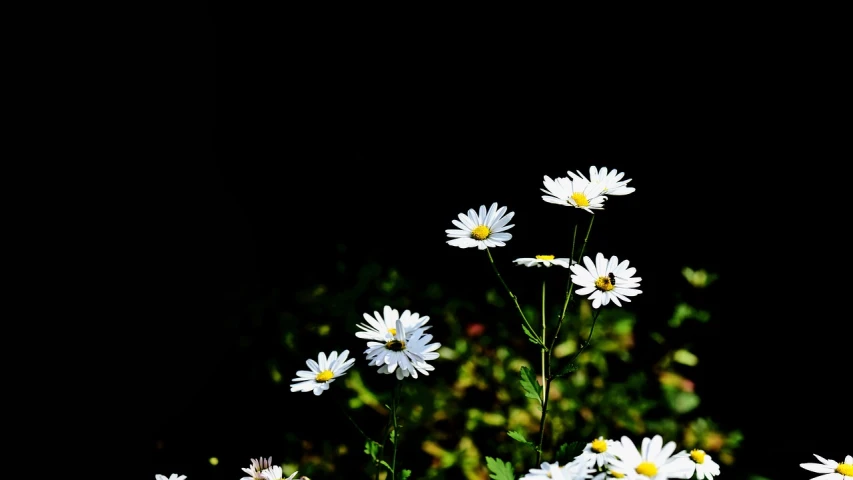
<point>617,475</point>
<point>325,376</point>
<point>544,257</point>
<point>647,468</point>
<point>599,445</point>
<point>845,469</point>
<point>580,199</point>
<point>392,331</point>
<point>480,233</point>
<point>606,283</point>
<point>698,456</point>
<point>396,345</point>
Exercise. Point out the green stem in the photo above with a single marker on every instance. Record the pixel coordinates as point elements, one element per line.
<point>546,369</point>
<point>514,299</point>
<point>570,287</point>
<point>545,358</point>
<point>366,436</point>
<point>588,338</point>
<point>548,379</point>
<point>542,350</point>
<point>394,403</point>
<point>381,452</point>
<point>542,419</point>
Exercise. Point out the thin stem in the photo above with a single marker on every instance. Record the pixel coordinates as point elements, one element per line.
<point>588,338</point>
<point>546,376</point>
<point>545,358</point>
<point>514,299</point>
<point>381,452</point>
<point>570,287</point>
<point>366,436</point>
<point>548,379</point>
<point>542,350</point>
<point>394,403</point>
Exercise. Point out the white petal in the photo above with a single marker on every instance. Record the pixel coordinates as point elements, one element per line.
<point>458,233</point>
<point>330,362</point>
<point>466,242</point>
<point>664,453</point>
<point>467,222</point>
<point>817,467</point>
<point>600,265</point>
<point>313,366</point>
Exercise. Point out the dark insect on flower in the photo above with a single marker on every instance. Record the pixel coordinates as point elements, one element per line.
<point>612,279</point>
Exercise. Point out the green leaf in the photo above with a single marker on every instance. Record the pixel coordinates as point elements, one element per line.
<point>404,474</point>
<point>517,436</point>
<point>531,386</point>
<point>684,312</point>
<point>385,464</point>
<point>530,335</point>
<point>685,357</point>
<point>566,370</point>
<point>681,402</point>
<point>562,454</point>
<point>500,470</point>
<point>371,448</point>
<point>568,451</point>
<point>520,438</point>
<point>392,435</point>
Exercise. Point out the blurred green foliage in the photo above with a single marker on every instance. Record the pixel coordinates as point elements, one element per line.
<point>473,408</point>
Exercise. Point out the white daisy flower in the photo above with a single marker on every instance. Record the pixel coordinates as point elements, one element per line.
<point>578,193</point>
<point>404,354</point>
<point>274,473</point>
<point>653,462</point>
<point>382,328</point>
<point>482,230</point>
<point>546,471</point>
<point>705,466</point>
<point>258,465</point>
<point>612,180</point>
<point>552,471</point>
<point>544,260</point>
<point>831,469</point>
<point>598,452</point>
<point>578,471</point>
<point>323,372</point>
<point>174,476</point>
<point>606,280</point>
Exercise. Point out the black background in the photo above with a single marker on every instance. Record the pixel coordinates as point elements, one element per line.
<point>272,135</point>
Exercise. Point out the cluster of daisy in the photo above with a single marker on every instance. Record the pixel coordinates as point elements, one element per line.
<point>397,344</point>
<point>603,280</point>
<point>605,459</point>
<point>263,469</point>
<point>260,469</point>
<point>487,228</point>
<point>830,469</point>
